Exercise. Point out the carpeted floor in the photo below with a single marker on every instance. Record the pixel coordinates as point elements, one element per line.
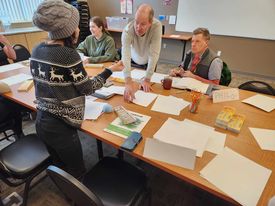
<point>167,190</point>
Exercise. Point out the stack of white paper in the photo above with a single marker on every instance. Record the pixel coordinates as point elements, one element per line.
<point>189,83</point>
<point>10,67</point>
<point>16,79</point>
<point>135,74</point>
<point>144,98</point>
<point>191,135</point>
<point>169,104</point>
<point>237,176</point>
<point>263,102</point>
<point>264,137</point>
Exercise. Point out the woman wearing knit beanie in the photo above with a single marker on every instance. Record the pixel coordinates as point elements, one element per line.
<point>61,84</point>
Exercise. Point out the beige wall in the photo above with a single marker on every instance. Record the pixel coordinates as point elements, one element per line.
<point>245,55</point>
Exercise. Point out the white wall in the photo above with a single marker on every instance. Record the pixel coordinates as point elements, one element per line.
<point>240,18</point>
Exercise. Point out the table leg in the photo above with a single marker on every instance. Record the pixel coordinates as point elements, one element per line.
<point>99,149</point>
<point>183,52</point>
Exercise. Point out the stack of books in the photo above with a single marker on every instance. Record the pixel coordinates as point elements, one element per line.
<point>228,119</point>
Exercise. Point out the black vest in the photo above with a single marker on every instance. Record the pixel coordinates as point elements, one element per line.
<point>203,66</point>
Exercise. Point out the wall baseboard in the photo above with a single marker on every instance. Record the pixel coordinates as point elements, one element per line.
<point>238,71</point>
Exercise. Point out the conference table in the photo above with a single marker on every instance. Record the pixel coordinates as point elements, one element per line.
<point>243,143</point>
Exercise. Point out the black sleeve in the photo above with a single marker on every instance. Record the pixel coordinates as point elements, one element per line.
<point>3,56</point>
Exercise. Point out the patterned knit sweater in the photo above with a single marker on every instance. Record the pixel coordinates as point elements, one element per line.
<point>61,82</point>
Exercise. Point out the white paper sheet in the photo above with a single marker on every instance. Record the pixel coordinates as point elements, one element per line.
<point>237,176</point>
<point>129,6</point>
<point>105,91</point>
<point>92,109</point>
<point>185,135</point>
<point>216,140</point>
<point>116,89</point>
<point>263,102</point>
<point>90,98</point>
<point>264,137</point>
<point>172,154</point>
<point>10,67</point>
<point>144,98</point>
<point>215,143</point>
<point>138,74</point>
<point>119,75</point>
<point>169,104</point>
<point>16,79</point>
<point>157,77</point>
<point>188,121</point>
<point>189,83</point>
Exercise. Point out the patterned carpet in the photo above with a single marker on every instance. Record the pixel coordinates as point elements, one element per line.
<point>176,192</point>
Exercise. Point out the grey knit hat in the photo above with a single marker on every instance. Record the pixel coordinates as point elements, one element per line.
<point>58,18</point>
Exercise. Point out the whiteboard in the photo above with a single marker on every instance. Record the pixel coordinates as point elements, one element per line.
<point>242,18</point>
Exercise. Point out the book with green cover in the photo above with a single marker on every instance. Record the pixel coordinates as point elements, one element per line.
<point>118,128</point>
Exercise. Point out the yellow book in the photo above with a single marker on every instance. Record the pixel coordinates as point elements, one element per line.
<point>236,123</point>
<point>225,116</point>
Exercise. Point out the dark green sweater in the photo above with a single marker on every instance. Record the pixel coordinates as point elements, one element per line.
<point>102,50</point>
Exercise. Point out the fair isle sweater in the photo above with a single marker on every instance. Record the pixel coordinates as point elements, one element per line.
<point>61,82</point>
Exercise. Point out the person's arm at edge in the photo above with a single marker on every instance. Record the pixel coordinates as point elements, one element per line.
<point>126,55</point>
<point>82,47</point>
<point>8,49</point>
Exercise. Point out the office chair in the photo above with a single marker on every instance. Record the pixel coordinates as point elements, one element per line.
<point>110,182</point>
<point>258,86</point>
<point>22,53</point>
<point>23,160</point>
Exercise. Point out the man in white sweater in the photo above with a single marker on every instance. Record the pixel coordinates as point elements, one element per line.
<point>141,43</point>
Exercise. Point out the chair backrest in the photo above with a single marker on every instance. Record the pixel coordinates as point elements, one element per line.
<point>225,75</point>
<point>22,53</point>
<point>72,188</point>
<point>258,86</point>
